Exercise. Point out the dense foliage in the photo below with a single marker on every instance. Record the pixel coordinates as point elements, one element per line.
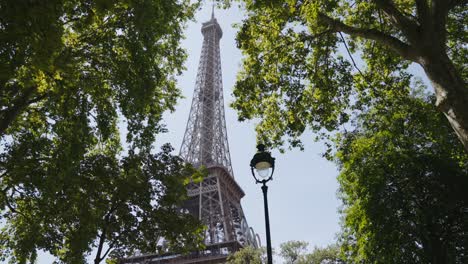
<point>74,77</point>
<point>312,64</point>
<point>403,182</point>
<point>344,66</point>
<point>295,252</point>
<point>247,255</point>
<point>326,255</point>
<point>117,206</point>
<point>292,251</point>
<point>69,61</point>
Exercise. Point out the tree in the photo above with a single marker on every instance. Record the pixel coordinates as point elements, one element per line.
<point>120,206</point>
<point>296,252</point>
<point>247,255</point>
<point>293,251</point>
<point>295,74</point>
<point>72,73</point>
<point>403,183</point>
<point>110,57</point>
<point>327,255</point>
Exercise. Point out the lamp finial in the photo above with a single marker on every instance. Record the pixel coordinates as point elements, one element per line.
<point>261,147</point>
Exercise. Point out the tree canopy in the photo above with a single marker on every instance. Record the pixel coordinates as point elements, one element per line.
<point>403,183</point>
<point>295,252</point>
<point>292,251</point>
<point>313,64</point>
<point>327,255</point>
<point>90,61</point>
<point>75,76</point>
<point>119,206</point>
<point>247,255</point>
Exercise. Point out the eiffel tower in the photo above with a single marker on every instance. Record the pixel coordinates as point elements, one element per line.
<point>216,200</point>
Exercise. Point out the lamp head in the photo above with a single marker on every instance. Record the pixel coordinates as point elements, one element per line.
<point>262,162</point>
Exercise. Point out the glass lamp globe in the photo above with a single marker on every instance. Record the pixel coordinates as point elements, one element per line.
<point>263,173</point>
<point>263,169</point>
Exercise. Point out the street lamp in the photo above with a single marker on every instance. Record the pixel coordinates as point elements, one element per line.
<point>264,164</point>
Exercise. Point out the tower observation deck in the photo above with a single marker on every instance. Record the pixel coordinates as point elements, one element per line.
<point>216,200</point>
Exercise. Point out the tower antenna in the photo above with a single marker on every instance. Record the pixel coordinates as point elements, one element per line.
<point>212,10</point>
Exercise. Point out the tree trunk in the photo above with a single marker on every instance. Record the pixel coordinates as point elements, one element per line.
<point>450,91</point>
<point>102,238</point>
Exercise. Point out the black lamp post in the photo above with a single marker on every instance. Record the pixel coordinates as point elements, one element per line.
<point>264,164</point>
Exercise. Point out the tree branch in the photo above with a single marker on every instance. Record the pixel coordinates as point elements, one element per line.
<point>440,10</point>
<point>38,98</point>
<point>399,20</point>
<point>8,115</point>
<point>454,3</point>
<point>111,246</point>
<point>443,7</point>
<point>356,67</point>
<point>102,239</point>
<point>423,12</point>
<point>403,49</point>
<point>10,206</point>
<point>4,192</point>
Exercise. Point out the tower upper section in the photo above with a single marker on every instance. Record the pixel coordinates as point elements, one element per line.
<point>212,27</point>
<point>205,140</point>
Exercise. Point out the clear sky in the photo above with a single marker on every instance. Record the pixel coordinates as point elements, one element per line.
<point>302,196</point>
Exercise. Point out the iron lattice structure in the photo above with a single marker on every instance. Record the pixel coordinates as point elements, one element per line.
<point>215,200</point>
<point>205,140</point>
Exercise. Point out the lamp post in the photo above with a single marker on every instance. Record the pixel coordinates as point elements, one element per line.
<point>264,164</point>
